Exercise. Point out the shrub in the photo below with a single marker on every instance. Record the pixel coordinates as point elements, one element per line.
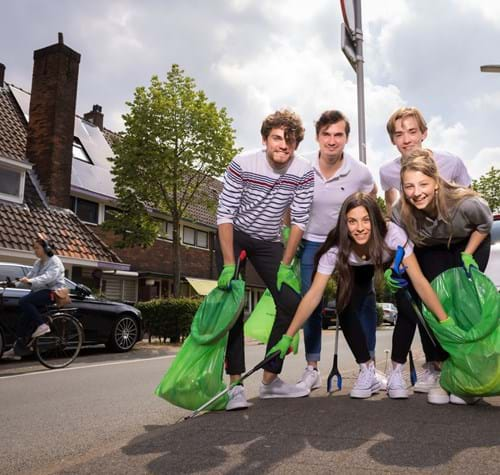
<point>168,319</point>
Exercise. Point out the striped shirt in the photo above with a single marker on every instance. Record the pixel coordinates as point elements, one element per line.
<point>255,195</point>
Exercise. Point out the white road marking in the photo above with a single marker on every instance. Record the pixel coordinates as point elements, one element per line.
<point>96,365</point>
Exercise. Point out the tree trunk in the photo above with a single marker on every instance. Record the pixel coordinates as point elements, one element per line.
<point>176,244</point>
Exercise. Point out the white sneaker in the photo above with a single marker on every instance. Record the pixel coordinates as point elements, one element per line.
<point>464,400</point>
<point>382,379</point>
<point>11,355</point>
<point>367,383</point>
<point>237,399</point>
<point>428,380</point>
<point>396,387</point>
<point>310,379</point>
<point>41,330</point>
<point>437,395</point>
<point>280,389</point>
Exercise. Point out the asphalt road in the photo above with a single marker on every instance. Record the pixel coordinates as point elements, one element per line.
<point>100,416</point>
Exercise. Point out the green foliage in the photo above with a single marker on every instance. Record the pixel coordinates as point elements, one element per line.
<point>489,187</point>
<point>168,318</point>
<point>175,140</point>
<point>381,204</point>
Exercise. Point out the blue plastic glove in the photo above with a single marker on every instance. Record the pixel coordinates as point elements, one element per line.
<point>226,276</point>
<point>468,261</point>
<point>393,281</point>
<point>283,346</point>
<point>287,276</point>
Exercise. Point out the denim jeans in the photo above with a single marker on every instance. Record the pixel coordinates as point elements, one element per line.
<point>30,316</point>
<point>312,327</point>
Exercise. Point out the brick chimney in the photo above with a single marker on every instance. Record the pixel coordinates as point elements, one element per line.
<point>52,119</point>
<point>2,74</point>
<point>95,116</point>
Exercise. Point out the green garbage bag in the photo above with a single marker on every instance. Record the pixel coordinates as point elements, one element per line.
<point>196,374</point>
<point>217,313</point>
<point>472,337</point>
<point>261,320</point>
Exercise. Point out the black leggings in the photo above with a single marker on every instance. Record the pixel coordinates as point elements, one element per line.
<point>433,260</point>
<point>348,318</point>
<point>265,257</point>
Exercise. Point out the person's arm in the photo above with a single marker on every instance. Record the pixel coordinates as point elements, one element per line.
<point>475,239</point>
<point>391,196</point>
<point>52,273</point>
<point>374,191</point>
<point>291,247</point>
<point>423,288</point>
<point>225,232</point>
<point>308,303</point>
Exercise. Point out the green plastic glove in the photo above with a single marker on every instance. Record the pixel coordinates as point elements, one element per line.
<point>282,346</point>
<point>226,276</point>
<point>394,283</point>
<point>468,261</point>
<point>287,276</point>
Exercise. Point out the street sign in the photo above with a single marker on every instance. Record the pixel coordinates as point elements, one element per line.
<point>347,7</point>
<point>348,45</point>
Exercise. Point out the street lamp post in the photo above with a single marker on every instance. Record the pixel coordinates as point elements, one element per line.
<point>352,46</point>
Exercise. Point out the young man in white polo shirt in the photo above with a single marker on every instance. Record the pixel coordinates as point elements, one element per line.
<point>407,130</point>
<point>336,176</point>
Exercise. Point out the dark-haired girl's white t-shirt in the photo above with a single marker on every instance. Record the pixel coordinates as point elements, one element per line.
<point>395,237</point>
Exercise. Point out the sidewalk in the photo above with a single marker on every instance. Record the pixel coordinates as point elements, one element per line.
<point>319,434</point>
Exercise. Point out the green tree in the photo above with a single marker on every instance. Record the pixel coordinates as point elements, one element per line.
<point>175,141</point>
<point>489,187</point>
<point>381,204</point>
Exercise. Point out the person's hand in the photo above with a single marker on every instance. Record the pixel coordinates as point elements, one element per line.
<point>282,346</point>
<point>393,282</point>
<point>287,276</point>
<point>226,276</point>
<point>468,261</point>
<point>24,280</point>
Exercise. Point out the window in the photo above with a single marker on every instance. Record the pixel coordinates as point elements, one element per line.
<point>108,210</point>
<point>195,237</point>
<point>166,229</point>
<point>12,272</point>
<point>79,151</point>
<point>87,211</point>
<point>12,178</point>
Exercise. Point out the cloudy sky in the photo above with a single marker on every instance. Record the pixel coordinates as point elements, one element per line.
<point>254,57</point>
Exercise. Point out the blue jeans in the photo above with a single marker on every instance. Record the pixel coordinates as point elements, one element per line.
<point>30,316</point>
<point>312,327</point>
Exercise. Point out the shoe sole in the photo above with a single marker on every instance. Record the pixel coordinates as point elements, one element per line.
<point>36,335</point>
<point>399,394</point>
<point>438,400</point>
<point>464,402</point>
<point>282,396</point>
<point>239,407</point>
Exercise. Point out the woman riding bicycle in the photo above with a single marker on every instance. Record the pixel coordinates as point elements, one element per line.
<point>46,276</point>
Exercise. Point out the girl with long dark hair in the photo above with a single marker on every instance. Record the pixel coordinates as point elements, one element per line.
<point>361,238</point>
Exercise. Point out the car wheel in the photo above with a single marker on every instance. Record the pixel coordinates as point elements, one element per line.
<point>124,335</point>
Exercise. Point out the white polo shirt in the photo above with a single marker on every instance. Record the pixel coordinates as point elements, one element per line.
<point>395,237</point>
<point>450,167</point>
<point>329,194</point>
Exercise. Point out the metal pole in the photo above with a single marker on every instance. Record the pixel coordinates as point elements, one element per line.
<point>360,81</point>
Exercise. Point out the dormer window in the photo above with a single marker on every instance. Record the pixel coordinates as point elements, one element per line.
<point>79,151</point>
<point>12,178</point>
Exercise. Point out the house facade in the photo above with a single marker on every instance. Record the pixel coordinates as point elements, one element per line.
<point>69,156</point>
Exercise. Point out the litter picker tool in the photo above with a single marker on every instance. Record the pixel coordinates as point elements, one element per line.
<point>413,371</point>
<point>258,366</point>
<point>335,370</point>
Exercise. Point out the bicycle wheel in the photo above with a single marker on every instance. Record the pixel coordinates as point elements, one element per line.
<point>61,346</point>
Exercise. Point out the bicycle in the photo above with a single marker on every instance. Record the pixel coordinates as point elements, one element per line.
<point>60,347</point>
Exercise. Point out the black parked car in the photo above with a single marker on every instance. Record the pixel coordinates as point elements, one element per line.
<point>117,325</point>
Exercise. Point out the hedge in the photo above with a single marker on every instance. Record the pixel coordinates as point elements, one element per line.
<point>168,319</point>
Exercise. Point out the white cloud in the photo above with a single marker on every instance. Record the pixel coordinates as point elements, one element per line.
<point>485,159</point>
<point>443,137</point>
<point>491,101</point>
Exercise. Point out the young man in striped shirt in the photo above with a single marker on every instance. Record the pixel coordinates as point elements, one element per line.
<point>259,187</point>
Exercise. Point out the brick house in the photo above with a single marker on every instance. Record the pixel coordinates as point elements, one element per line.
<point>78,177</point>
